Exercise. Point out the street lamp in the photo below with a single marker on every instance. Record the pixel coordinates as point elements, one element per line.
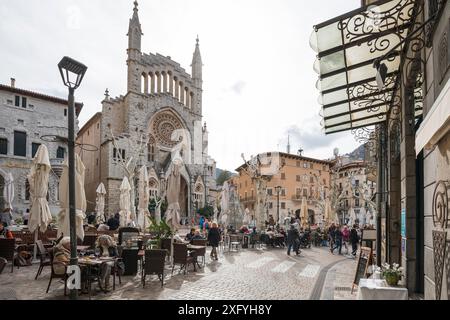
<point>72,73</point>
<point>278,189</point>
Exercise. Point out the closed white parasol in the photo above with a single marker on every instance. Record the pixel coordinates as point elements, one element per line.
<point>80,199</point>
<point>125,203</point>
<point>100,203</point>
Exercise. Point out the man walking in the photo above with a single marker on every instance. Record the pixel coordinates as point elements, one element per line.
<point>338,240</point>
<point>293,240</point>
<point>354,239</point>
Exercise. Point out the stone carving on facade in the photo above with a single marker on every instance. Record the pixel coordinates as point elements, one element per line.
<point>440,245</point>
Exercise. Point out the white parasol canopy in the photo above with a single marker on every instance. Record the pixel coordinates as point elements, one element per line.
<point>172,216</point>
<point>125,202</point>
<point>304,211</point>
<point>8,191</point>
<point>247,217</point>
<point>80,199</point>
<point>224,208</point>
<point>40,215</point>
<point>144,199</point>
<point>100,203</point>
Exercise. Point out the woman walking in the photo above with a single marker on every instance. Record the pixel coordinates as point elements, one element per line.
<point>214,239</point>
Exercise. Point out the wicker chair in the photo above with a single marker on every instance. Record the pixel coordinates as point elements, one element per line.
<point>202,252</point>
<point>7,250</point>
<point>154,264</point>
<point>89,240</point>
<point>181,256</point>
<point>53,275</point>
<point>44,257</point>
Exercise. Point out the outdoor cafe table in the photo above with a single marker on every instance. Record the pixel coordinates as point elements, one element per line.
<point>377,289</point>
<point>195,249</point>
<point>91,263</point>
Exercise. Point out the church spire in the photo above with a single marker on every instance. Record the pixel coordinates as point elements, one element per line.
<point>135,30</point>
<point>197,64</point>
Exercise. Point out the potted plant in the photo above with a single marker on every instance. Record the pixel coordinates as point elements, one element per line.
<point>392,274</point>
<point>159,231</point>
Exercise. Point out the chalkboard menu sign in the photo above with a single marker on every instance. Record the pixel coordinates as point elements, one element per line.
<point>364,261</point>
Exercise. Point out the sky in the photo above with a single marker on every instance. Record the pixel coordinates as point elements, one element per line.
<point>258,78</point>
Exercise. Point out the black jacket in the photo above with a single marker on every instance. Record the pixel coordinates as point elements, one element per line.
<point>214,237</point>
<point>354,236</point>
<point>292,236</point>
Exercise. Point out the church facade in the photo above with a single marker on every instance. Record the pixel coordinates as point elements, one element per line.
<point>160,115</point>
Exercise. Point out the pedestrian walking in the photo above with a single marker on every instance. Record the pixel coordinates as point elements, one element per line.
<point>332,235</point>
<point>338,240</point>
<point>354,239</point>
<point>293,240</point>
<point>345,238</point>
<point>214,239</point>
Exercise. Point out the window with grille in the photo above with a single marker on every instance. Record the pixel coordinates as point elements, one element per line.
<point>298,178</point>
<point>283,205</point>
<point>269,192</point>
<point>3,146</point>
<point>60,152</point>
<point>20,144</point>
<point>283,176</point>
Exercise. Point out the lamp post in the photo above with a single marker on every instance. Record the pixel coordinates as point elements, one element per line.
<point>72,73</point>
<point>278,189</point>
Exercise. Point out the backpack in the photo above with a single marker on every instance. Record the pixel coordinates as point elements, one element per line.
<point>23,259</point>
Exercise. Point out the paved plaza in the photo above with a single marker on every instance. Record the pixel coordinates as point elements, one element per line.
<point>250,274</point>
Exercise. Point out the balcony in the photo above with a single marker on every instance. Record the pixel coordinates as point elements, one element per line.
<point>248,199</point>
<point>57,166</point>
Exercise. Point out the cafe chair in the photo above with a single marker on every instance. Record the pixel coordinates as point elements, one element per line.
<point>7,250</point>
<point>181,256</point>
<point>3,263</point>
<point>201,252</point>
<point>43,256</point>
<point>53,275</point>
<point>154,264</point>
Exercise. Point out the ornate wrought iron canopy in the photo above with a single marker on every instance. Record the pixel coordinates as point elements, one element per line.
<point>347,48</point>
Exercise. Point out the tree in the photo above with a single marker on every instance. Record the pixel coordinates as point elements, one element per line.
<point>224,176</point>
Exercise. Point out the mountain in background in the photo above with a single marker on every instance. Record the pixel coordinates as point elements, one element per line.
<point>358,154</point>
<point>223,175</point>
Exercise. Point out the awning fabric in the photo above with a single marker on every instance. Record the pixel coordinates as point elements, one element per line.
<point>346,48</point>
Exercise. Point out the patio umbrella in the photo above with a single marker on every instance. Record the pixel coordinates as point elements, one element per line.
<point>100,203</point>
<point>173,192</point>
<point>225,198</point>
<point>247,217</point>
<point>125,202</point>
<point>40,215</point>
<point>304,211</point>
<point>144,199</point>
<point>8,191</point>
<point>80,199</point>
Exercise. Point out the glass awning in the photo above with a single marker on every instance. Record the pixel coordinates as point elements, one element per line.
<point>347,47</point>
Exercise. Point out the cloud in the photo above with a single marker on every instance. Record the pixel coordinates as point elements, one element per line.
<point>238,87</point>
<point>308,138</point>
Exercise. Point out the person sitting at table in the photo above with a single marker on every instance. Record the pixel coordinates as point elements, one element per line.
<point>244,229</point>
<point>4,232</point>
<point>103,227</point>
<point>190,235</point>
<point>108,248</point>
<point>61,256</point>
<point>197,236</point>
<point>271,237</point>
<point>114,222</point>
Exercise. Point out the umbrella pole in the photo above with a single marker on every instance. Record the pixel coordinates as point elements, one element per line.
<point>171,251</point>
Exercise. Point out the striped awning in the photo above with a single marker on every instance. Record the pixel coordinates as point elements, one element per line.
<point>347,47</point>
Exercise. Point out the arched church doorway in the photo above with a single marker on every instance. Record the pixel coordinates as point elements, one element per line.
<point>184,197</point>
<point>311,217</point>
<point>297,214</point>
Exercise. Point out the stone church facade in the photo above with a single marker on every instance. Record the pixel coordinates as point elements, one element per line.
<point>161,114</point>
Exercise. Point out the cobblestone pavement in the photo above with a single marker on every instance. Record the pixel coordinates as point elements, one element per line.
<point>267,274</point>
